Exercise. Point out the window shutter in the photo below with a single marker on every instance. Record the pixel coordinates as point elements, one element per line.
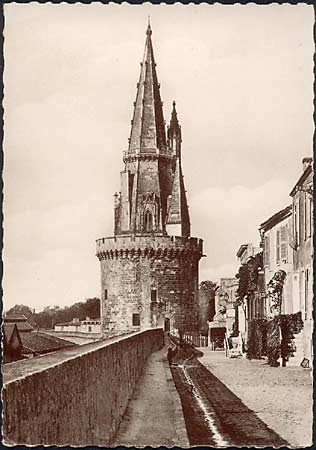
<point>278,246</point>
<point>266,251</point>
<point>298,222</point>
<point>283,238</point>
<point>305,223</point>
<point>310,216</point>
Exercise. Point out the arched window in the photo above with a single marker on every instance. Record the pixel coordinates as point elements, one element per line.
<point>148,221</point>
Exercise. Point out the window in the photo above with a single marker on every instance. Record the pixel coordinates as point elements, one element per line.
<point>148,221</point>
<point>267,251</point>
<point>89,329</point>
<point>308,217</point>
<point>278,246</point>
<point>298,223</point>
<point>306,305</point>
<point>105,294</point>
<point>310,201</point>
<point>154,296</point>
<point>283,243</point>
<point>136,320</point>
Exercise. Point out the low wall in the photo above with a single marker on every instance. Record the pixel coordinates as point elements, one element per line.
<point>74,397</point>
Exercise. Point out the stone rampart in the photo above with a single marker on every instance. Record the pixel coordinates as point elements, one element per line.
<point>77,396</point>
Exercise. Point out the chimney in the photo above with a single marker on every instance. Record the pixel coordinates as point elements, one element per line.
<point>306,162</point>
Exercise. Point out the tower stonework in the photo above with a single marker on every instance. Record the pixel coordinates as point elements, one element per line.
<point>149,269</point>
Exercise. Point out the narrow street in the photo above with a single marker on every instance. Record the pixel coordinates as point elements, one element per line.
<point>223,402</point>
<point>214,415</point>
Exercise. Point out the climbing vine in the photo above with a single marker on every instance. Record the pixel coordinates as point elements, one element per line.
<point>248,275</point>
<point>274,338</point>
<point>275,289</point>
<point>257,339</point>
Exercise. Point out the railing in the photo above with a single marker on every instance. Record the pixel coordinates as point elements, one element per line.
<point>197,340</point>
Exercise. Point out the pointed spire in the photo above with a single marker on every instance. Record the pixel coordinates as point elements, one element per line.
<point>148,27</point>
<point>148,128</point>
<point>174,126</point>
<point>174,132</point>
<point>178,212</point>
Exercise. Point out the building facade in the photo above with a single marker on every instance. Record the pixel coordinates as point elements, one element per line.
<point>149,269</point>
<point>252,306</point>
<point>302,244</point>
<point>226,313</point>
<point>276,236</point>
<point>88,326</point>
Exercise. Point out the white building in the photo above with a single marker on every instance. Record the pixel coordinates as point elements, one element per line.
<point>276,235</point>
<point>87,326</point>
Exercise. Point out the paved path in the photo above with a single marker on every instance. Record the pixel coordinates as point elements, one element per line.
<point>280,396</point>
<point>154,415</point>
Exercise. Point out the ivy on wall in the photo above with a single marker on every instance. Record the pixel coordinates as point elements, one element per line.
<point>275,289</point>
<point>248,276</point>
<point>274,338</point>
<point>257,339</point>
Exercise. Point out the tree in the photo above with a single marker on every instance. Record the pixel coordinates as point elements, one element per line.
<point>206,304</point>
<point>23,310</point>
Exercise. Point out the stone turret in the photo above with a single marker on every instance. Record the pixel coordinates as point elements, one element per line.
<point>149,269</point>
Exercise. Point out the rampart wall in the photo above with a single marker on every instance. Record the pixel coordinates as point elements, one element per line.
<point>77,396</point>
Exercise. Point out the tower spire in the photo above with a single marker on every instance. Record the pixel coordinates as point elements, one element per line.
<point>174,132</point>
<point>148,127</point>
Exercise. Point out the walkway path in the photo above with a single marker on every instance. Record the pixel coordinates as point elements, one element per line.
<point>280,396</point>
<point>154,415</point>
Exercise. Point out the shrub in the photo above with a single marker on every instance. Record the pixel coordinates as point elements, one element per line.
<point>257,339</point>
<point>273,342</point>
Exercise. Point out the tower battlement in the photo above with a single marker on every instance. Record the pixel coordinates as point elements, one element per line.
<point>149,246</point>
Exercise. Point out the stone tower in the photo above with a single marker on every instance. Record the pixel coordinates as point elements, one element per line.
<point>149,269</point>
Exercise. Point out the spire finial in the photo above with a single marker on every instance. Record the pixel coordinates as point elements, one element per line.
<point>148,27</point>
<point>174,104</point>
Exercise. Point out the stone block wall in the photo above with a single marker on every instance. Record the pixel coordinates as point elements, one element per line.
<point>132,268</point>
<point>78,401</point>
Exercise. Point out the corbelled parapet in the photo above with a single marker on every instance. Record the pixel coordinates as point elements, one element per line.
<point>149,247</point>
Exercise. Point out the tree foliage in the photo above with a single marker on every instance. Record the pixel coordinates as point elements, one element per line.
<point>274,338</point>
<point>51,315</point>
<point>206,304</point>
<point>248,277</point>
<point>275,289</point>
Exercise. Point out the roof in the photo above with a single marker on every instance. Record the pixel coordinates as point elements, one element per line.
<point>8,330</point>
<point>148,126</point>
<point>20,321</point>
<point>39,342</point>
<point>178,212</point>
<point>11,318</point>
<point>276,218</point>
<point>302,178</point>
<point>76,324</point>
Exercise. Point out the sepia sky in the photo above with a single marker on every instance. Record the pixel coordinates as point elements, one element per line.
<point>242,77</point>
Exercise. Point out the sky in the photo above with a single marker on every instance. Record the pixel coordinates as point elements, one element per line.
<point>242,77</point>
